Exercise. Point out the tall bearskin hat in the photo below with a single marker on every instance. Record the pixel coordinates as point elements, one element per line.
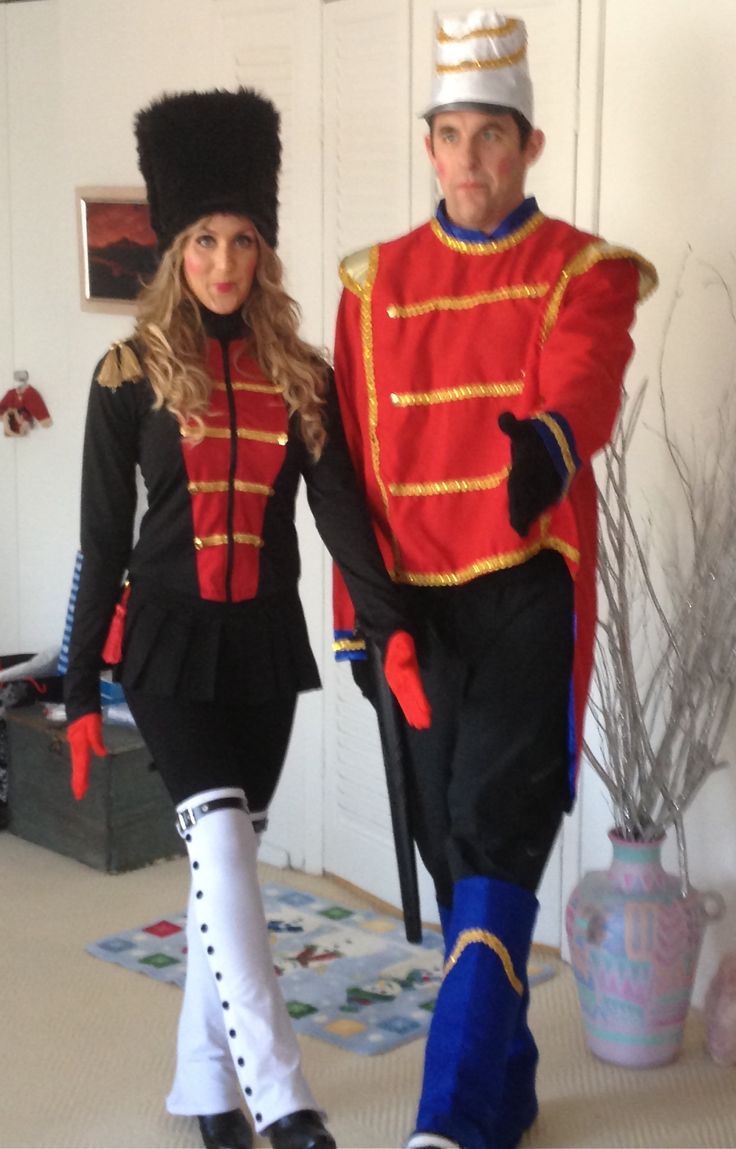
<point>206,152</point>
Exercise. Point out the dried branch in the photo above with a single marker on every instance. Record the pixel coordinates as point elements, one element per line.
<point>665,671</point>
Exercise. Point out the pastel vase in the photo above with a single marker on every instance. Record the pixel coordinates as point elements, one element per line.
<point>634,944</point>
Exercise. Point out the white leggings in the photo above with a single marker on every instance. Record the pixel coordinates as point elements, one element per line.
<point>235,1036</point>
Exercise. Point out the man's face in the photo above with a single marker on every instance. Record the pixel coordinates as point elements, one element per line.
<point>480,165</point>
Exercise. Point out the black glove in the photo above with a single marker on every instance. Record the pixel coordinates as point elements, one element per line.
<point>534,482</point>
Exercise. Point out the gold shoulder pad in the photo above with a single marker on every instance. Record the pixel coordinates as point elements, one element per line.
<point>120,365</point>
<point>354,270</point>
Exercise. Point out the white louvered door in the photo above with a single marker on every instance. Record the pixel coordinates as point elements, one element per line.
<point>367,181</point>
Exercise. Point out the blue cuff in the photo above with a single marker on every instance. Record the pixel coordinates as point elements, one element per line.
<point>348,646</point>
<point>556,434</point>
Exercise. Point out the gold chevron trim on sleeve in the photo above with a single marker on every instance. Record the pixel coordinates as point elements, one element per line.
<point>120,365</point>
<point>588,257</point>
<point>202,541</point>
<point>354,270</point>
<point>454,394</point>
<point>493,942</point>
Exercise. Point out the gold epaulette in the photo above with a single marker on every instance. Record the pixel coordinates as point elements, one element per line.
<point>120,365</point>
<point>354,270</point>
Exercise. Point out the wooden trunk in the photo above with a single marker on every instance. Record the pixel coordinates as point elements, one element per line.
<point>126,819</point>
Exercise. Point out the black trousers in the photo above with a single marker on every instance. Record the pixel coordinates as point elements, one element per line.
<point>205,745</point>
<point>490,779</point>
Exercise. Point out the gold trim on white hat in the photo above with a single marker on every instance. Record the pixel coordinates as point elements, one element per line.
<point>474,65</point>
<point>504,29</point>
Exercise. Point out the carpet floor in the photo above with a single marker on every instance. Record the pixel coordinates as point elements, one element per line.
<point>86,1050</point>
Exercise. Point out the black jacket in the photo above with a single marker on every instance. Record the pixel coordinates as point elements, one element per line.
<point>214,610</point>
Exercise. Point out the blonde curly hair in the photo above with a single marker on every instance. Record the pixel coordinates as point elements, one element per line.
<point>170,333</point>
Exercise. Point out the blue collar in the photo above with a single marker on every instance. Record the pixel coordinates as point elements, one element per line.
<point>513,222</point>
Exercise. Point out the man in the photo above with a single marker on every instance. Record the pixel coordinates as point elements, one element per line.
<point>479,363</point>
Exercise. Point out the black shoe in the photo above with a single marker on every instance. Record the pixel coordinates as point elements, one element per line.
<point>301,1130</point>
<point>226,1131</point>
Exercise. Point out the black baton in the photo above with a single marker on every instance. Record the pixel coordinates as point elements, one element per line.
<point>391,730</point>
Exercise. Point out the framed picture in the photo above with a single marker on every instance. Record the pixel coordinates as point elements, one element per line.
<point>117,247</point>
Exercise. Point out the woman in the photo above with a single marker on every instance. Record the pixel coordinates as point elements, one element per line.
<point>224,408</point>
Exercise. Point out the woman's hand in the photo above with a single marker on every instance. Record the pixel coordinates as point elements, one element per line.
<point>85,739</point>
<point>401,669</point>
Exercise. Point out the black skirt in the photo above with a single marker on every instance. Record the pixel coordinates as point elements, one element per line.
<point>253,651</point>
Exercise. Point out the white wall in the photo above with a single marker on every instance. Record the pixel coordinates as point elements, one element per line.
<point>73,83</point>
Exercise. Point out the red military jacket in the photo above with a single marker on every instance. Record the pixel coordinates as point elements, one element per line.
<point>435,338</point>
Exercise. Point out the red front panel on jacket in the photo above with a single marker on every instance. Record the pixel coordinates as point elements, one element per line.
<point>231,473</point>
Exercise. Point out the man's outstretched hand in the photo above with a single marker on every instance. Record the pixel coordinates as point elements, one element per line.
<point>401,669</point>
<point>534,482</point>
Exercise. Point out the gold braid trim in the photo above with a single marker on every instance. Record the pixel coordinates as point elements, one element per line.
<point>594,253</point>
<point>215,486</point>
<point>453,394</point>
<point>494,245</point>
<point>500,30</point>
<point>465,302</point>
<point>567,550</point>
<point>259,388</point>
<point>120,365</point>
<point>559,435</point>
<point>487,565</point>
<point>348,644</point>
<point>451,486</point>
<point>279,437</point>
<point>366,334</point>
<point>200,542</point>
<point>484,65</point>
<point>485,938</point>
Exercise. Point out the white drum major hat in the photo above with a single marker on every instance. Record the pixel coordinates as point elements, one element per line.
<point>480,59</point>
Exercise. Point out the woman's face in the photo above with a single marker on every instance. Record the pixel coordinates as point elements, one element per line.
<point>220,258</point>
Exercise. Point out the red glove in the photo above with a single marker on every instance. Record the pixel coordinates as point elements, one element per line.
<point>402,674</point>
<point>85,738</point>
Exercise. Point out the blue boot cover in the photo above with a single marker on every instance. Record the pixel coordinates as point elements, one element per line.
<point>518,1107</point>
<point>477,1012</point>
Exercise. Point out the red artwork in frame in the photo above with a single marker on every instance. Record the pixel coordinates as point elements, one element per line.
<point>117,247</point>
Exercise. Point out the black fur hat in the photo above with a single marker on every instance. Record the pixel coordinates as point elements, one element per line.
<point>207,152</point>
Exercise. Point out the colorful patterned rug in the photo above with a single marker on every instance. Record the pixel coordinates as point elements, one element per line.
<point>348,977</point>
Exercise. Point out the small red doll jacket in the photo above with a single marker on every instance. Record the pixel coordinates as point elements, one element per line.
<point>20,408</point>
